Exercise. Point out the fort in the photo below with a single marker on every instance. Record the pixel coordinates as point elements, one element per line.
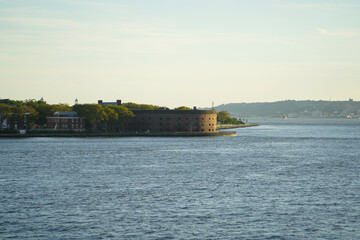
<point>165,120</point>
<point>174,120</point>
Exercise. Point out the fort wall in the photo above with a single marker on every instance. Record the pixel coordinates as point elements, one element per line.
<point>174,121</point>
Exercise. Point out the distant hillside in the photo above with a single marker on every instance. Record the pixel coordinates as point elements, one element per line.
<point>294,109</point>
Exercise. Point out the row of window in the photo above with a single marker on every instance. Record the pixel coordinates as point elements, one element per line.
<point>180,130</point>
<point>56,120</point>
<point>179,118</point>
<point>179,124</point>
<point>72,125</point>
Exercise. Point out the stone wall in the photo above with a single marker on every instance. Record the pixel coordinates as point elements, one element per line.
<point>174,121</point>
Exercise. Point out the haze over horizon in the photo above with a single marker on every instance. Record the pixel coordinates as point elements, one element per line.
<point>180,52</point>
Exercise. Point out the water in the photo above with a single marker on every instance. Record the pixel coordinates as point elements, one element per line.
<point>287,179</point>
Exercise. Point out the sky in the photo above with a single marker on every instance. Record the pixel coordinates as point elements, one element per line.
<point>179,52</point>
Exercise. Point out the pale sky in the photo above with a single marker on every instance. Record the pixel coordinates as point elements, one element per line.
<point>179,52</point>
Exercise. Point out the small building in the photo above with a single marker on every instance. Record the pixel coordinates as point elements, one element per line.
<point>66,121</point>
<point>174,120</point>
<point>117,103</point>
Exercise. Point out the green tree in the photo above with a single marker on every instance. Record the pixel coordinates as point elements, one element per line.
<point>222,116</point>
<point>12,114</point>
<point>94,114</point>
<point>225,118</point>
<point>39,110</point>
<point>5,112</point>
<point>135,106</point>
<point>109,115</point>
<point>124,117</point>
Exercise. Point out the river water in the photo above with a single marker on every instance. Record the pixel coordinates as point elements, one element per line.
<point>286,179</point>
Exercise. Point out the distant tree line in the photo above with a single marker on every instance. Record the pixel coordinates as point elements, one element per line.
<point>276,109</point>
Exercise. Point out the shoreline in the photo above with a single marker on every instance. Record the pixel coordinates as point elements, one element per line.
<point>133,134</point>
<point>103,135</point>
<point>232,126</point>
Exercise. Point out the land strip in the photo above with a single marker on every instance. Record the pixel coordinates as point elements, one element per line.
<point>231,126</point>
<point>134,134</point>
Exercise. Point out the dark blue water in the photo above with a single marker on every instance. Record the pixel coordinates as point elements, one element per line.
<point>290,179</point>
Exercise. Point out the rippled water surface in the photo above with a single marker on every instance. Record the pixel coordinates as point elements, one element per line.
<point>290,179</point>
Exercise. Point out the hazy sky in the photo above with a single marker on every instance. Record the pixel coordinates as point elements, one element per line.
<point>179,52</point>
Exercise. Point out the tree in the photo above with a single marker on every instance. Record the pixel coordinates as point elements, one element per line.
<point>124,117</point>
<point>5,113</point>
<point>12,114</point>
<point>39,110</point>
<point>222,116</point>
<point>110,115</point>
<point>34,115</point>
<point>94,114</point>
<point>135,106</point>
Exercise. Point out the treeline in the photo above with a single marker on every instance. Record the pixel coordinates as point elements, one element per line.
<point>135,106</point>
<point>112,118</point>
<point>276,109</point>
<point>104,118</point>
<point>39,110</point>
